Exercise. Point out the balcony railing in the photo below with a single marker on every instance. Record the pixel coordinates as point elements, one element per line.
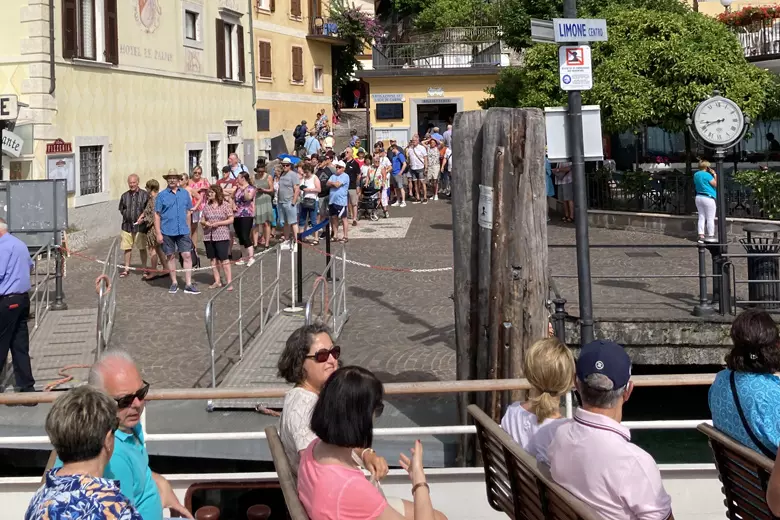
<point>432,55</point>
<point>324,29</point>
<point>760,39</point>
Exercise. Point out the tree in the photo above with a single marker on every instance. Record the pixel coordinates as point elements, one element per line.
<point>655,68</point>
<point>441,14</point>
<point>359,29</point>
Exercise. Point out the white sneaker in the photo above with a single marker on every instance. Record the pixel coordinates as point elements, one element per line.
<point>251,262</point>
<point>241,262</point>
<point>285,245</point>
<point>417,202</point>
<point>436,197</point>
<point>403,204</point>
<point>395,204</point>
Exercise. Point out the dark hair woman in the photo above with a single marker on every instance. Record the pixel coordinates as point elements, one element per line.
<point>343,420</point>
<point>216,219</point>
<point>155,249</point>
<point>244,214</point>
<point>744,396</point>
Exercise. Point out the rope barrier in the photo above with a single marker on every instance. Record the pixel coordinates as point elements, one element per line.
<point>379,267</point>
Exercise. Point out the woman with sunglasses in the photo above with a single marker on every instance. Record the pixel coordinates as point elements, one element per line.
<point>244,216</point>
<point>331,484</point>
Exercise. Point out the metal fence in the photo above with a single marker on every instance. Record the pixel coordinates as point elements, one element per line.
<point>670,192</point>
<point>436,54</point>
<point>106,289</point>
<point>760,39</point>
<point>41,283</point>
<point>333,302</point>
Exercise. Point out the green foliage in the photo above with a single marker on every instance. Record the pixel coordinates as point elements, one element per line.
<point>441,14</point>
<point>766,189</point>
<point>358,29</point>
<point>654,70</point>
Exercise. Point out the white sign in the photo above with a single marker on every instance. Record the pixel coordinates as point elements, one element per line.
<point>387,98</point>
<point>542,31</point>
<point>62,167</point>
<point>575,68</point>
<point>9,107</point>
<point>573,30</point>
<point>485,217</point>
<point>557,125</point>
<point>12,144</point>
<point>435,92</point>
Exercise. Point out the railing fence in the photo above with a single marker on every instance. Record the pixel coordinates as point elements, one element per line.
<point>106,289</point>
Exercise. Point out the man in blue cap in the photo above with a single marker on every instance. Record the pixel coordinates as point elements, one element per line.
<point>592,456</point>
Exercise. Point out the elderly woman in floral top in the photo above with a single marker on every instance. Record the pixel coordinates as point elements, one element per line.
<point>244,198</point>
<point>216,219</point>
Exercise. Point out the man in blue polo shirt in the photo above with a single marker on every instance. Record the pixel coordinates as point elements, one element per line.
<point>172,210</point>
<point>399,168</point>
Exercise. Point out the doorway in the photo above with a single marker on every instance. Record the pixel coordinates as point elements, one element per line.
<point>433,112</point>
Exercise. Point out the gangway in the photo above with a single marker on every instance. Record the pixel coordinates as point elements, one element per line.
<point>262,319</point>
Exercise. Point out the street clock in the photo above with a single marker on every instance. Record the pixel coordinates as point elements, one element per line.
<point>718,122</point>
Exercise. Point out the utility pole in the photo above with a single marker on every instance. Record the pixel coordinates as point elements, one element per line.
<point>580,202</point>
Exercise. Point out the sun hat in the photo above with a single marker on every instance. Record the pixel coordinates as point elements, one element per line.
<point>286,160</point>
<point>172,173</point>
<point>339,164</point>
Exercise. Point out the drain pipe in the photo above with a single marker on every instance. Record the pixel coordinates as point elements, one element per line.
<point>252,53</point>
<point>52,75</point>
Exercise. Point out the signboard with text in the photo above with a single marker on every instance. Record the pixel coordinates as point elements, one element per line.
<point>59,146</point>
<point>9,107</point>
<point>573,30</point>
<point>387,98</point>
<point>574,65</point>
<point>12,144</point>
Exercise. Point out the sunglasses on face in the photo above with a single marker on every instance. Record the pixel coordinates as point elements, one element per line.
<point>322,355</point>
<point>126,400</point>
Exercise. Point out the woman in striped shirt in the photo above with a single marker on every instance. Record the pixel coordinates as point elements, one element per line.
<point>216,220</point>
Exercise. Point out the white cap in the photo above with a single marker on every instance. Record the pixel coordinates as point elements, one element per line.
<point>286,160</point>
<point>339,164</point>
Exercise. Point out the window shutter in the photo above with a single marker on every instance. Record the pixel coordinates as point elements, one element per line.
<point>112,33</point>
<point>264,54</point>
<point>241,59</point>
<point>69,29</point>
<point>297,55</point>
<point>295,8</point>
<point>272,6</point>
<point>221,49</point>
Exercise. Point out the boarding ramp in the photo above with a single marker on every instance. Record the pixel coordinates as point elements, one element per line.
<point>245,347</point>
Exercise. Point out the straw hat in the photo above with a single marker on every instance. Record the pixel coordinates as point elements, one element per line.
<point>172,173</point>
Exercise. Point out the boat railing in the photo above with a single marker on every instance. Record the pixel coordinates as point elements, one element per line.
<point>242,327</point>
<point>41,286</point>
<point>391,389</point>
<point>106,289</point>
<point>332,303</point>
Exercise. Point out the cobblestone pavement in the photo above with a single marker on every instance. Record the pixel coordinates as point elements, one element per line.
<point>401,324</point>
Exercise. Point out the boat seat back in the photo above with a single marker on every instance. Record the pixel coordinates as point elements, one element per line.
<point>744,474</point>
<point>286,478</point>
<point>517,484</point>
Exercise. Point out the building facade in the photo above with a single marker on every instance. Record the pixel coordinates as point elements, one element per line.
<point>293,74</point>
<point>119,87</point>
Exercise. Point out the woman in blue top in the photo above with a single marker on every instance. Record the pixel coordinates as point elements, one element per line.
<point>749,384</point>
<point>705,181</point>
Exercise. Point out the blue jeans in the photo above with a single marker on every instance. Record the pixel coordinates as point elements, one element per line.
<point>309,214</point>
<point>173,243</point>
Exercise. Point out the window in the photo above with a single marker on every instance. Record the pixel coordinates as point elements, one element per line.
<point>89,30</point>
<point>194,157</point>
<point>232,131</point>
<point>191,25</point>
<point>232,148</point>
<point>319,80</point>
<point>230,51</point>
<point>295,8</point>
<point>264,60</point>
<point>266,5</point>
<point>90,170</point>
<point>297,64</point>
<point>214,148</point>
<point>263,120</point>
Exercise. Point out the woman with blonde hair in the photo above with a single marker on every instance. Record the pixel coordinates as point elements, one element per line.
<point>705,181</point>
<point>549,367</point>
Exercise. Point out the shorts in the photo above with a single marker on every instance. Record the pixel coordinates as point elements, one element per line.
<point>173,243</point>
<point>566,191</point>
<point>418,175</point>
<point>337,211</point>
<point>196,216</point>
<point>288,213</point>
<point>129,239</point>
<point>219,249</point>
<point>398,180</point>
<point>243,227</point>
<point>322,204</point>
<point>433,174</point>
<point>353,198</point>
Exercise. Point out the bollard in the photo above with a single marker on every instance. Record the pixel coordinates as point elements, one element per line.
<point>299,272</point>
<point>703,308</point>
<point>59,294</point>
<point>559,319</point>
<point>329,273</point>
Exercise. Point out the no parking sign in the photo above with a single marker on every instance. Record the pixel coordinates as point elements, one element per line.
<point>575,68</point>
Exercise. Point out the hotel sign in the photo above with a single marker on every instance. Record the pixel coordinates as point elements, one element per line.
<point>59,146</point>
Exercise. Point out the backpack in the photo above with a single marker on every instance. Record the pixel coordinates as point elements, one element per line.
<point>297,132</point>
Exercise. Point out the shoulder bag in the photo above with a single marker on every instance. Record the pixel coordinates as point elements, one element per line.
<point>761,446</point>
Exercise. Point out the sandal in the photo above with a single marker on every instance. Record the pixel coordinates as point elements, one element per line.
<point>124,274</point>
<point>215,286</point>
<point>230,289</point>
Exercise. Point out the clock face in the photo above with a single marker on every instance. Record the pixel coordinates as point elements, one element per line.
<point>719,121</point>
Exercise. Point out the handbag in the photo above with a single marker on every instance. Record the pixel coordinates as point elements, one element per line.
<point>143,227</point>
<point>308,203</point>
<point>761,446</point>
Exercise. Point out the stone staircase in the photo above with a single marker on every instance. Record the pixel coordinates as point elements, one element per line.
<point>351,119</point>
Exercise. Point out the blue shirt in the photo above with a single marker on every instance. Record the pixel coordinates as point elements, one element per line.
<point>549,177</point>
<point>701,180</point>
<point>759,395</point>
<point>173,208</point>
<point>234,172</point>
<point>15,265</point>
<point>338,196</point>
<point>79,497</point>
<point>437,136</point>
<point>312,145</point>
<point>398,162</point>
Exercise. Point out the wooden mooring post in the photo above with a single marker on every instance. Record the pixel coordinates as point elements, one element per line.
<point>499,206</point>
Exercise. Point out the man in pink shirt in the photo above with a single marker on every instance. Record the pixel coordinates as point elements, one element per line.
<point>592,456</point>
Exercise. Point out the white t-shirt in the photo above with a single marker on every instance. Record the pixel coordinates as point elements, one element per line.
<point>525,429</point>
<point>416,157</point>
<point>295,423</point>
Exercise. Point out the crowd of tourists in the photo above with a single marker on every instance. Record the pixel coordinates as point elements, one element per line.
<point>328,417</point>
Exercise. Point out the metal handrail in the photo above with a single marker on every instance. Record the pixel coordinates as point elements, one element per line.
<point>40,292</point>
<point>106,290</point>
<point>337,305</point>
<point>273,289</point>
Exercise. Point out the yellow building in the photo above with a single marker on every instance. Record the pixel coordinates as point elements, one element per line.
<point>414,85</point>
<point>715,7</point>
<point>293,75</point>
<point>130,86</point>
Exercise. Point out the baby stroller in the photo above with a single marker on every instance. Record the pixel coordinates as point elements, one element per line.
<point>368,203</point>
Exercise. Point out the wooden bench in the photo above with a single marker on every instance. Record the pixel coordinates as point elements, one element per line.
<point>744,474</point>
<point>517,484</point>
<point>287,480</point>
